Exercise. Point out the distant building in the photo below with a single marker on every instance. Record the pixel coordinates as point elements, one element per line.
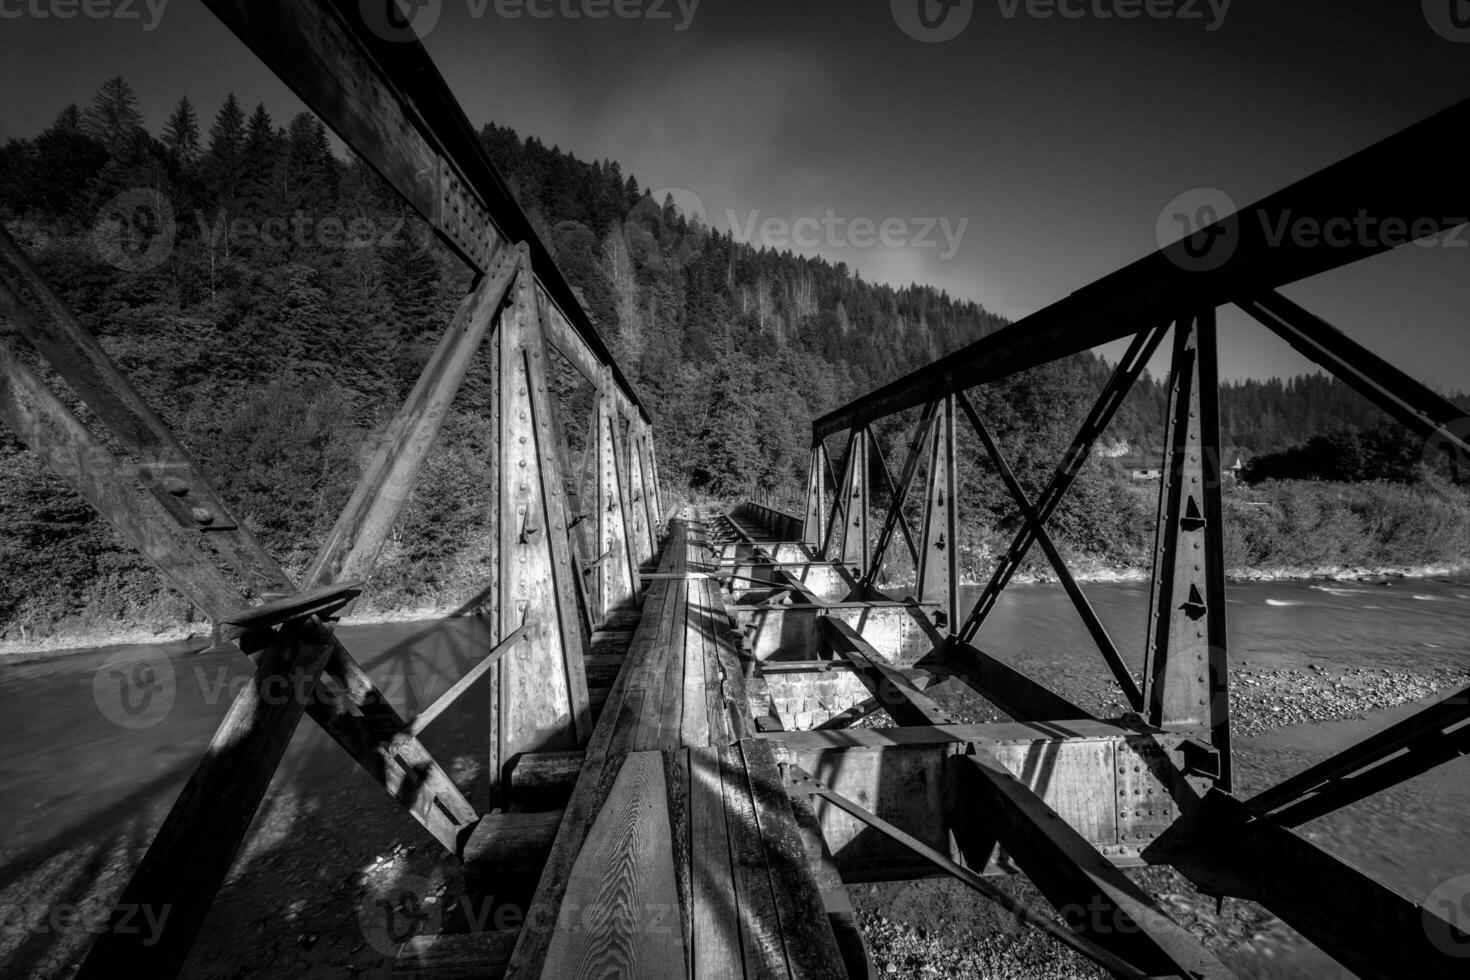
<point>1143,466</point>
<point>1150,466</point>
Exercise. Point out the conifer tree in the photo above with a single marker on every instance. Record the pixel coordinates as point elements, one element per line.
<point>181,134</point>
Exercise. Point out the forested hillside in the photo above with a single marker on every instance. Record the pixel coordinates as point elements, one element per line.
<point>293,299</point>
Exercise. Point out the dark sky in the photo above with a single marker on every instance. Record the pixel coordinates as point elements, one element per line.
<point>1057,142</point>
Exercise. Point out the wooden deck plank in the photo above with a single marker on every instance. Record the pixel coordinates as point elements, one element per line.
<point>671,713</point>
<point>761,944</point>
<point>716,940</point>
<point>694,726</point>
<point>728,870</point>
<point>622,920</point>
<point>676,780</point>
<point>811,948</point>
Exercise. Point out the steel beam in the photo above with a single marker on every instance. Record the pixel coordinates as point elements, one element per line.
<point>801,783</point>
<point>187,861</point>
<point>386,99</point>
<point>617,570</point>
<point>1418,743</point>
<point>836,519</point>
<point>905,703</point>
<point>1186,681</point>
<point>160,463</point>
<point>816,503</point>
<point>1412,403</point>
<point>1007,688</point>
<point>1406,178</point>
<point>939,556</point>
<point>1368,927</point>
<point>351,548</point>
<point>1095,898</point>
<point>1124,375</point>
<point>1105,646</point>
<point>897,494</point>
<point>539,696</point>
<point>854,550</point>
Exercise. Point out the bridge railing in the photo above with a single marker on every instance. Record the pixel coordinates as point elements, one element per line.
<point>1409,181</point>
<point>568,543</point>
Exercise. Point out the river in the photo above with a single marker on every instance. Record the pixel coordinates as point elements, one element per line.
<point>86,780</point>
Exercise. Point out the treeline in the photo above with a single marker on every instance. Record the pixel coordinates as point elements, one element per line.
<point>295,299</point>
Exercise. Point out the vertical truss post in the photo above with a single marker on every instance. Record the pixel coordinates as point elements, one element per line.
<point>642,530</point>
<point>650,483</point>
<point>939,576</point>
<point>854,553</point>
<point>539,693</point>
<point>1186,686</point>
<point>658,487</point>
<point>617,581</point>
<point>816,486</point>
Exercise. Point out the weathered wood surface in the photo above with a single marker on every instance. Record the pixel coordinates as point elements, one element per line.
<point>677,853</point>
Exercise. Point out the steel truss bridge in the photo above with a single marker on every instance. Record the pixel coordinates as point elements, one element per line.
<point>638,765</point>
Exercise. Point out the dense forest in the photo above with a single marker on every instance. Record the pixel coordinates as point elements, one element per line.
<point>275,302</point>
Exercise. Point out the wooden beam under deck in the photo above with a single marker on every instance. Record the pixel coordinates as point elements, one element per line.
<point>678,853</point>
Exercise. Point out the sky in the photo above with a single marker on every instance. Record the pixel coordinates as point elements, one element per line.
<point>1012,152</point>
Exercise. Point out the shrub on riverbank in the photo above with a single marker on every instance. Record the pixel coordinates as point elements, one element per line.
<point>1308,524</point>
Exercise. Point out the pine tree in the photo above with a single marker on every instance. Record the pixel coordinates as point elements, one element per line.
<point>113,118</point>
<point>311,173</point>
<point>224,160</point>
<point>261,197</point>
<point>181,134</point>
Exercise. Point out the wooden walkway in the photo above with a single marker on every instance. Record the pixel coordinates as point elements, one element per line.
<point>679,853</point>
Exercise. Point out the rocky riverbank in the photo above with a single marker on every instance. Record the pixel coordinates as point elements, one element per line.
<point>928,930</point>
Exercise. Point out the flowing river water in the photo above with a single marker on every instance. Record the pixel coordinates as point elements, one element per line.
<point>93,759</point>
